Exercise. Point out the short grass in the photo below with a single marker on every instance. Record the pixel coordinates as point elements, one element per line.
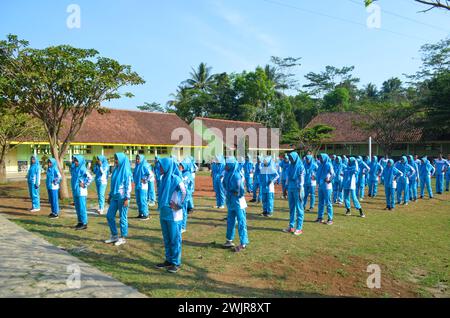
<point>411,245</point>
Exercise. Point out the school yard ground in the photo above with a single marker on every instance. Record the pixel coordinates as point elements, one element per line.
<point>411,245</point>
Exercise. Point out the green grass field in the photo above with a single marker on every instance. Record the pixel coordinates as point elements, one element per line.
<point>411,245</point>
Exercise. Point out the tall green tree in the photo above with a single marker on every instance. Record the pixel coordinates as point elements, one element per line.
<point>61,86</point>
<point>201,78</point>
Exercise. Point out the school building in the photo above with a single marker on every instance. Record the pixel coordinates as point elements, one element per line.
<point>131,132</point>
<point>235,138</point>
<point>349,139</point>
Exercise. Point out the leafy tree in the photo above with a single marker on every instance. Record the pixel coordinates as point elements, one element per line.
<point>337,100</point>
<point>326,81</point>
<point>370,93</point>
<point>280,73</point>
<point>15,126</point>
<point>305,108</point>
<point>392,89</point>
<point>311,139</point>
<point>152,107</point>
<point>61,86</point>
<point>201,78</point>
<point>387,122</point>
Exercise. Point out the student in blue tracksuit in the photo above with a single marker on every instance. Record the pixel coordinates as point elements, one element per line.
<point>440,164</point>
<point>193,169</point>
<point>34,182</point>
<point>447,175</point>
<point>391,175</point>
<point>349,184</point>
<point>233,184</point>
<point>426,171</point>
<point>119,199</point>
<point>383,163</point>
<point>81,179</point>
<point>403,181</point>
<point>376,170</point>
<point>217,173</point>
<point>294,182</point>
<point>52,182</point>
<point>151,198</point>
<point>310,182</point>
<point>364,170</point>
<point>325,175</point>
<point>249,169</point>
<point>338,167</point>
<point>188,180</point>
<point>256,185</point>
<point>172,195</point>
<point>101,171</point>
<point>267,179</point>
<point>413,179</point>
<point>284,165</point>
<point>141,176</point>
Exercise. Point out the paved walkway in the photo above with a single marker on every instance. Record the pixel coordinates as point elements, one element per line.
<point>32,267</point>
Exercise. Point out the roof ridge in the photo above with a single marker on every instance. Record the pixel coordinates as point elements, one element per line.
<point>228,120</point>
<point>137,111</point>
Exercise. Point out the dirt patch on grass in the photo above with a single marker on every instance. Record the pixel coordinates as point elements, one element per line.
<point>323,274</point>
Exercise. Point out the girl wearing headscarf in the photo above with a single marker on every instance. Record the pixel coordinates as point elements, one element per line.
<point>81,179</point>
<point>256,185</point>
<point>349,184</point>
<point>119,198</point>
<point>426,171</point>
<point>193,169</point>
<point>310,182</point>
<point>391,175</point>
<point>172,195</point>
<point>364,169</point>
<point>267,178</point>
<point>413,179</point>
<point>52,182</point>
<point>403,182</point>
<point>34,182</point>
<point>447,175</point>
<point>101,171</point>
<point>218,171</point>
<point>325,175</point>
<point>151,198</point>
<point>338,167</point>
<point>141,176</point>
<point>249,169</point>
<point>284,165</point>
<point>376,170</point>
<point>294,182</point>
<point>234,191</point>
<point>188,180</point>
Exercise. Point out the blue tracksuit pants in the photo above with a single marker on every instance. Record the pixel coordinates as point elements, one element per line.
<point>351,194</point>
<point>80,208</point>
<point>240,216</point>
<point>248,183</point>
<point>34,196</point>
<point>220,192</point>
<point>101,189</point>
<point>296,211</point>
<point>310,191</point>
<point>325,201</point>
<point>390,197</point>
<point>114,206</point>
<point>171,231</point>
<point>151,192</point>
<point>440,182</point>
<point>426,183</point>
<point>267,202</point>
<point>141,201</point>
<point>402,188</point>
<point>53,199</point>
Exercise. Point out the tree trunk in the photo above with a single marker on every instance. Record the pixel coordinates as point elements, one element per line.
<point>63,188</point>
<point>3,164</point>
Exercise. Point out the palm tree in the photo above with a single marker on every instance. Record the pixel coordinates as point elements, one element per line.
<point>201,78</point>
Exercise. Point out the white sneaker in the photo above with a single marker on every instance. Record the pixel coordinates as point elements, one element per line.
<point>228,244</point>
<point>112,239</point>
<point>120,241</point>
<point>34,210</point>
<point>152,204</point>
<point>222,207</point>
<point>101,212</point>
<point>183,231</point>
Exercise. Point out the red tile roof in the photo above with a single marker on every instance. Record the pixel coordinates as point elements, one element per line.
<point>346,130</point>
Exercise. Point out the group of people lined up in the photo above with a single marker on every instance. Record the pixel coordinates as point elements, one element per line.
<point>337,179</point>
<point>175,182</point>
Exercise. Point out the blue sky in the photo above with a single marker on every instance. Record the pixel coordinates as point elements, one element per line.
<point>162,40</point>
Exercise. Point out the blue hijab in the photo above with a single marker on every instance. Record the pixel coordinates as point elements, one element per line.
<point>80,171</point>
<point>34,167</point>
<point>324,167</point>
<point>232,175</point>
<point>52,172</point>
<point>169,181</point>
<point>295,168</point>
<point>121,173</point>
<point>140,169</point>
